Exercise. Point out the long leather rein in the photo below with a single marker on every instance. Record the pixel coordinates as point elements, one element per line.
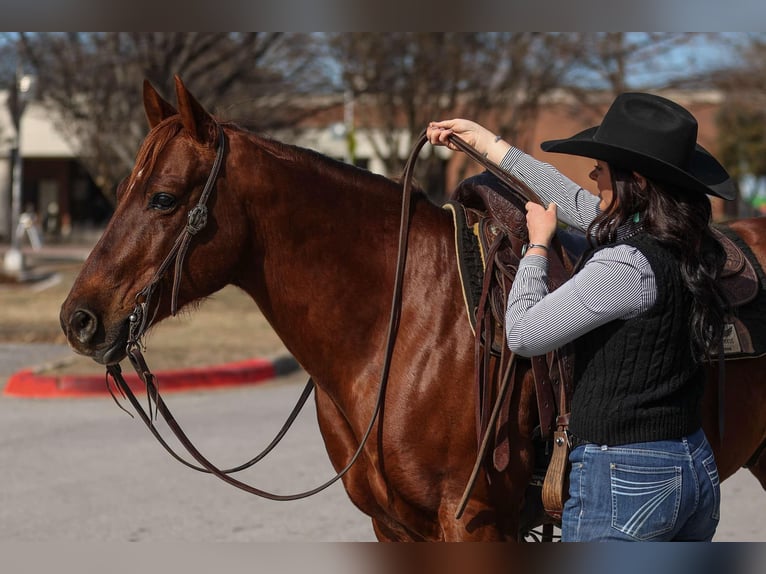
<point>140,321</point>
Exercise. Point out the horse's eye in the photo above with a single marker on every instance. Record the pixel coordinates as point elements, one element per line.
<point>162,201</point>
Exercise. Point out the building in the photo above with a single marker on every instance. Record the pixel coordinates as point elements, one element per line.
<point>67,203</point>
<point>55,186</point>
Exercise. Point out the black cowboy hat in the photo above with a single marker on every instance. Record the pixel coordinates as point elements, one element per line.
<point>655,137</point>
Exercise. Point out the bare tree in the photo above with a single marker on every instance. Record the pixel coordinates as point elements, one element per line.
<point>742,119</point>
<point>399,81</point>
<point>615,62</point>
<point>93,83</point>
<point>605,64</point>
<point>403,80</point>
<point>515,72</point>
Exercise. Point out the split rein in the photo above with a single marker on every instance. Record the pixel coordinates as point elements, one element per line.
<point>141,320</point>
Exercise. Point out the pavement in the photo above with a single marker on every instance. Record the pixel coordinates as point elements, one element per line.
<point>743,506</point>
<point>24,368</point>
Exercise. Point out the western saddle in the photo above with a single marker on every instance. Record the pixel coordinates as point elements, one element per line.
<point>490,233</point>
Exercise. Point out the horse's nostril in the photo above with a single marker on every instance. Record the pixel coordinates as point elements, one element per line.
<point>83,324</point>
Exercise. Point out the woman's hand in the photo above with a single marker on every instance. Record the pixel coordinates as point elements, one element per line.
<point>475,135</point>
<point>541,223</point>
<point>470,132</point>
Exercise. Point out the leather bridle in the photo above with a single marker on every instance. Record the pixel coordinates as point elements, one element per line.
<point>196,222</point>
<point>140,321</point>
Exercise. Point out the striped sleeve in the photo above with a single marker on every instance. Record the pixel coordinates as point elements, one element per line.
<point>577,207</point>
<point>616,283</point>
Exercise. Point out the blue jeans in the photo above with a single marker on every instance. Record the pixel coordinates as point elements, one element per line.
<point>659,491</point>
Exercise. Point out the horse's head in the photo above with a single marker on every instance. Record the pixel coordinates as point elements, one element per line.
<point>152,214</point>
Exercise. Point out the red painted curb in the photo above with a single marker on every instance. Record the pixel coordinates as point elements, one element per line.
<point>27,383</point>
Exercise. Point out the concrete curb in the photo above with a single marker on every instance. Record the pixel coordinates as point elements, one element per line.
<point>31,384</point>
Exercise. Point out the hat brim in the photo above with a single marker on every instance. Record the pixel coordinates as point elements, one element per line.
<point>705,174</point>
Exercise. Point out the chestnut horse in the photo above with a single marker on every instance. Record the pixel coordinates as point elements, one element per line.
<point>314,242</point>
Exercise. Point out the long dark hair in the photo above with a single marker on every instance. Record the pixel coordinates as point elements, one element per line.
<point>680,221</point>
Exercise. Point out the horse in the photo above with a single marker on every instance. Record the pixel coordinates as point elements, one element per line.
<point>313,241</point>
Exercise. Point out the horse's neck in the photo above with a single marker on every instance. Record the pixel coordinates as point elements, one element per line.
<point>327,239</point>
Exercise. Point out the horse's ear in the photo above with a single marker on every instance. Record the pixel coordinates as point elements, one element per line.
<point>196,119</point>
<point>156,108</point>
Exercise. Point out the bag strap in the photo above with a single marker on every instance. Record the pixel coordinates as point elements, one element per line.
<point>556,482</point>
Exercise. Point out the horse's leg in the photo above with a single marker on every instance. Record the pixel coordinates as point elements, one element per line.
<point>744,421</point>
<point>341,444</point>
<point>364,486</point>
<point>385,534</point>
<point>478,523</point>
<point>758,468</point>
<point>493,512</point>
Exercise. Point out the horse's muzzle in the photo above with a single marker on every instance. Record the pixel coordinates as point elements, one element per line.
<point>87,335</point>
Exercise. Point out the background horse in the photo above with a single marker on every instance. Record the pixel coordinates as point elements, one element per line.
<point>314,242</point>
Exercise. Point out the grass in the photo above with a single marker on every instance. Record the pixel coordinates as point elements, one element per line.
<point>227,327</point>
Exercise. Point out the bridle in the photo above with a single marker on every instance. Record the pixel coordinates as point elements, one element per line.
<point>196,222</point>
<point>140,321</point>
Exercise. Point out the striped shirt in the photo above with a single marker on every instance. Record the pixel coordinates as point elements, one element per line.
<point>616,283</point>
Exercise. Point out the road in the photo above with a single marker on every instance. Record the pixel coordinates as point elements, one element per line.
<point>82,470</point>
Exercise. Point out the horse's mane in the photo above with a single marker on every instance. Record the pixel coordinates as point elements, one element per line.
<point>325,166</point>
<point>322,164</point>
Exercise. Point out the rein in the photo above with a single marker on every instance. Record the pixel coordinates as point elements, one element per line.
<point>524,193</point>
<point>140,322</point>
<point>517,187</point>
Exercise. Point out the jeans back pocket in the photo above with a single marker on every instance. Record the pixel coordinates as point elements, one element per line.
<point>645,500</point>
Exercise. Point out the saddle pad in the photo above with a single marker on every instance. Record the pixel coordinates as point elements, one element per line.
<point>470,260</point>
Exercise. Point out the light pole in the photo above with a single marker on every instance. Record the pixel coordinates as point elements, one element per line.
<point>17,100</point>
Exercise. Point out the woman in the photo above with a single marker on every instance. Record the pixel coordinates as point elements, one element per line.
<point>642,310</point>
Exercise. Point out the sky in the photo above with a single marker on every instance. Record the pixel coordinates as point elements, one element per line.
<point>340,15</point>
<point>701,54</point>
